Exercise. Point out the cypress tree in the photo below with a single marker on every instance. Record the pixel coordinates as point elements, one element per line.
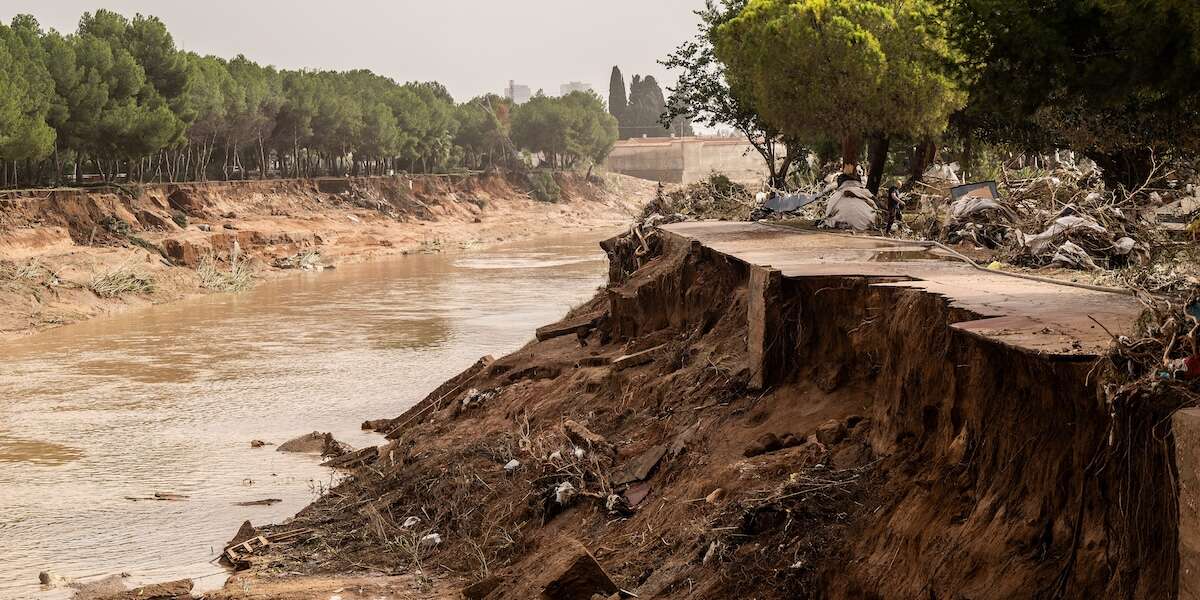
<point>617,100</point>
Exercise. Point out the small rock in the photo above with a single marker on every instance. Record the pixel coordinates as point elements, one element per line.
<point>315,442</point>
<point>767,442</point>
<point>791,441</point>
<point>257,443</point>
<point>230,226</point>
<point>203,226</point>
<point>480,589</point>
<point>850,456</point>
<point>376,425</point>
<point>44,578</point>
<point>831,432</point>
<point>640,467</point>
<point>575,574</point>
<point>716,496</point>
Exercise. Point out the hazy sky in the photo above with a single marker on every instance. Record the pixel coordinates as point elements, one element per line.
<point>472,46</point>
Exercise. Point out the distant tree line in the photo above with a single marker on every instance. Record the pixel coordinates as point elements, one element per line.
<point>640,112</point>
<point>117,100</point>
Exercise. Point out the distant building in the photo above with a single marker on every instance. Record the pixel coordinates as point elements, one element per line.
<point>519,94</point>
<point>574,86</point>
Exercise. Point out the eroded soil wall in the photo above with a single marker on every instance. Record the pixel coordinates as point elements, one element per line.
<point>858,447</point>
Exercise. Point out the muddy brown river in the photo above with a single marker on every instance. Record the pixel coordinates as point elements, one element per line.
<point>167,399</point>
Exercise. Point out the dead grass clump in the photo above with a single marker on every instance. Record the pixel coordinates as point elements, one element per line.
<point>236,278</point>
<point>122,281</point>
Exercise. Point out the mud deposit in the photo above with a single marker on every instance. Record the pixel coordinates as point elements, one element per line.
<point>168,398</point>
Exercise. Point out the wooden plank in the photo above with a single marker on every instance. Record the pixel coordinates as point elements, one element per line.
<point>578,324</point>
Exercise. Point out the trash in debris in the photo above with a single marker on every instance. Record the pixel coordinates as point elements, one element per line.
<point>786,204</point>
<point>564,493</point>
<point>979,190</point>
<point>1072,256</point>
<point>410,522</point>
<point>851,206</point>
<point>475,397</point>
<point>715,496</point>
<point>512,465</point>
<point>430,540</point>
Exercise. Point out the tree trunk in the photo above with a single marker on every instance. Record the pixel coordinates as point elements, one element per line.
<point>879,154</point>
<point>923,156</point>
<point>851,149</point>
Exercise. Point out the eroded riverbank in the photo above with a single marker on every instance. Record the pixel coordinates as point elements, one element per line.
<point>167,398</point>
<point>70,255</point>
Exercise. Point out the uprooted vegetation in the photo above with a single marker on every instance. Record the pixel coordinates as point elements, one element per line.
<point>235,277</point>
<point>872,461</point>
<point>122,281</point>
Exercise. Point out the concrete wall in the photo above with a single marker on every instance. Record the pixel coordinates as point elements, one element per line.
<point>687,160</point>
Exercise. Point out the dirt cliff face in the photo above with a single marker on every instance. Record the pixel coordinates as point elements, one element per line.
<point>56,244</point>
<point>858,447</point>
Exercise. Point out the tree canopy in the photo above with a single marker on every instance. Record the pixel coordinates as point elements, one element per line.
<point>118,98</point>
<point>843,69</point>
<point>1114,79</point>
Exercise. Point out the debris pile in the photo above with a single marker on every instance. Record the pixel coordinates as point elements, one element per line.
<point>1159,365</point>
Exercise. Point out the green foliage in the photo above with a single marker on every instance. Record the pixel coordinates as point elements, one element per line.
<point>1114,79</point>
<point>618,100</point>
<point>567,131</point>
<point>702,93</point>
<point>642,114</point>
<point>543,187</point>
<point>843,69</point>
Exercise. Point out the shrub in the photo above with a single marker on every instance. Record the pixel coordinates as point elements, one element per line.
<point>543,187</point>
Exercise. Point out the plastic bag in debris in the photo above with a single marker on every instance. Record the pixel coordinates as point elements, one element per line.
<point>965,208</point>
<point>850,207</point>
<point>1072,256</point>
<point>1043,242</point>
<point>784,204</point>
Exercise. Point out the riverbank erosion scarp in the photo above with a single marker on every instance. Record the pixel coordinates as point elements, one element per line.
<point>69,254</point>
<point>761,412</point>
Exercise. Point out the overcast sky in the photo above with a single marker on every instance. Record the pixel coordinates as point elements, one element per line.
<point>472,46</point>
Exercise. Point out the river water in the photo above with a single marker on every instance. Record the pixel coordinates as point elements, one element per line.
<point>167,399</point>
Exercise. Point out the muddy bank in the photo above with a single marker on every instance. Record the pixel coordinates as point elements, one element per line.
<point>709,428</point>
<point>68,255</point>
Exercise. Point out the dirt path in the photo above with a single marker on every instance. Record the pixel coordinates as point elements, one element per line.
<point>70,255</point>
